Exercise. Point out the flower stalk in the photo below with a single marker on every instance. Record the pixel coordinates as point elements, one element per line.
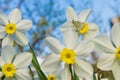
<point>71,71</point>
<point>36,65</point>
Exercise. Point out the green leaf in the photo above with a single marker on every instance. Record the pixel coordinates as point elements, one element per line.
<point>75,76</point>
<point>94,77</point>
<point>0,69</point>
<point>36,65</point>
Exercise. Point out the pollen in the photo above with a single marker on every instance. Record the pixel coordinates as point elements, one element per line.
<point>10,28</point>
<point>52,77</point>
<point>8,70</point>
<point>118,53</point>
<point>68,56</point>
<point>84,29</point>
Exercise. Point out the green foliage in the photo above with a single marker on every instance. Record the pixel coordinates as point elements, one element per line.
<point>75,76</point>
<point>107,74</point>
<point>42,22</point>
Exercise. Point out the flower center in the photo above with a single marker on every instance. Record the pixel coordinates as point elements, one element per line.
<point>68,56</point>
<point>51,77</point>
<point>84,29</point>
<point>8,70</point>
<point>118,53</point>
<point>81,27</point>
<point>10,28</point>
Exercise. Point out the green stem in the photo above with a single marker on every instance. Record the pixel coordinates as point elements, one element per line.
<point>72,76</point>
<point>75,76</point>
<point>3,77</point>
<point>14,78</point>
<point>31,72</point>
<point>36,65</point>
<point>94,77</point>
<point>99,74</point>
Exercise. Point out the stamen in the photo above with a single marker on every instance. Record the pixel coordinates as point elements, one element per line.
<point>10,28</point>
<point>118,53</point>
<point>68,56</point>
<point>84,29</point>
<point>51,77</point>
<point>8,70</point>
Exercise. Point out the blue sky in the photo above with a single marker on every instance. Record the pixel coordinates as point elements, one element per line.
<point>35,8</point>
<point>54,13</point>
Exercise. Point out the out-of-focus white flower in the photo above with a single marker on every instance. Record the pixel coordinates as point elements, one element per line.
<point>12,28</point>
<point>72,53</point>
<point>110,59</point>
<point>13,65</point>
<point>54,75</point>
<point>78,22</point>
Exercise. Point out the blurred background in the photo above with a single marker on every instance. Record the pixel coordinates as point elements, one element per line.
<point>49,15</point>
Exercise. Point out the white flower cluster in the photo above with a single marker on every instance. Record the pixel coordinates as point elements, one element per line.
<point>14,65</point>
<point>80,38</point>
<point>69,59</point>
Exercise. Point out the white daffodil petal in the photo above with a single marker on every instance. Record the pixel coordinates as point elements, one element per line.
<point>116,69</point>
<point>84,48</point>
<point>3,19</point>
<point>84,15</point>
<point>83,68</point>
<point>2,62</point>
<point>66,75</point>
<point>92,32</point>
<point>105,61</point>
<point>70,38</point>
<point>15,16</point>
<point>21,39</point>
<point>19,76</point>
<point>103,44</point>
<point>24,73</point>
<point>71,14</point>
<point>54,45</point>
<point>24,62</point>
<point>2,35</point>
<point>7,41</point>
<point>2,32</point>
<point>24,25</point>
<point>58,72</point>
<point>51,63</point>
<point>114,34</point>
<point>8,53</point>
<point>67,25</point>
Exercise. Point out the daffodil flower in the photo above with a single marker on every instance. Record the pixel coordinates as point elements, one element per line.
<point>73,53</point>
<point>53,75</point>
<point>110,59</point>
<point>78,23</point>
<point>13,65</point>
<point>12,28</point>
